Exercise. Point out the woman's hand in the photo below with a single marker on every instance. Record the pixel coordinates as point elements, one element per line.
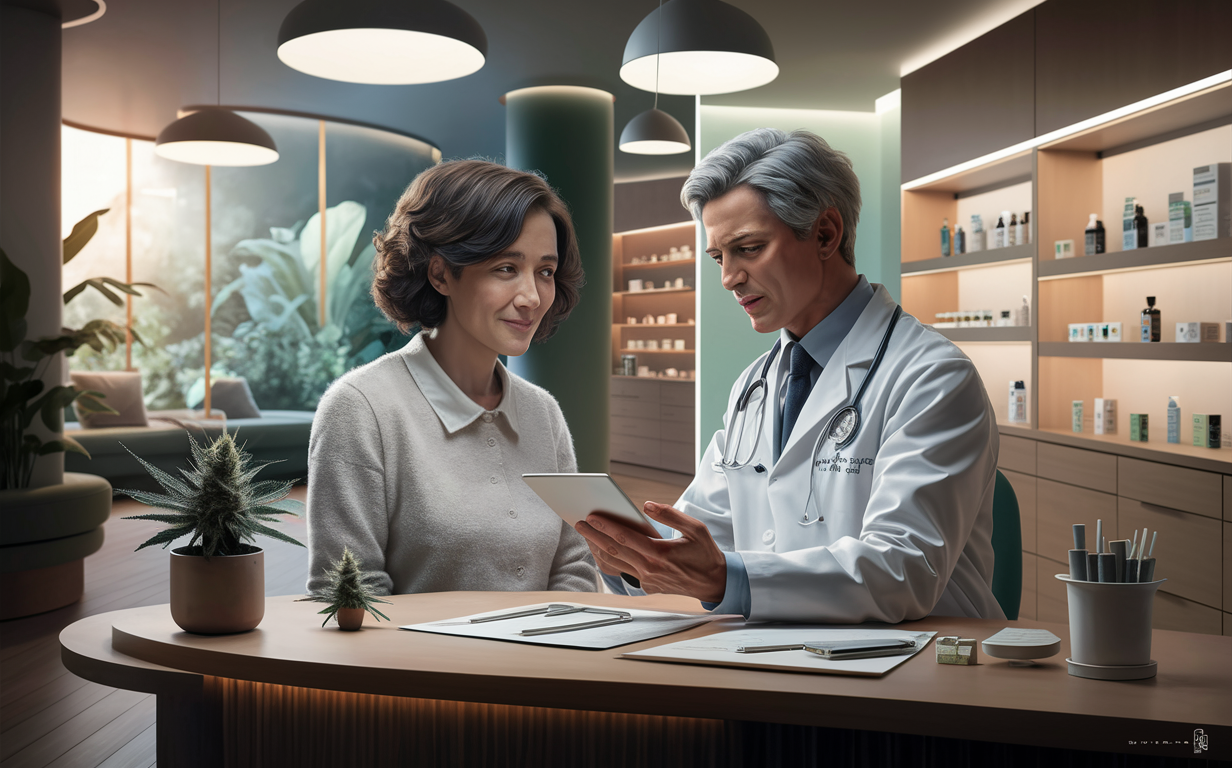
<point>691,565</point>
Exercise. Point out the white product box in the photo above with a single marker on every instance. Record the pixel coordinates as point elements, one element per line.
<point>1105,416</point>
<point>1193,333</point>
<point>1114,332</point>
<point>1159,234</point>
<point>1063,249</point>
<point>1212,201</point>
<point>1077,332</point>
<point>1089,331</point>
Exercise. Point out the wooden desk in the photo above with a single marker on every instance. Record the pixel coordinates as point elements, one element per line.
<point>290,692</point>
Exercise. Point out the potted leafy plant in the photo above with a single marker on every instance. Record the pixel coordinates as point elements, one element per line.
<point>46,532</point>
<point>218,579</point>
<point>346,596</point>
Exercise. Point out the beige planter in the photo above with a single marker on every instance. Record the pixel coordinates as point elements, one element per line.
<point>350,619</point>
<point>218,596</point>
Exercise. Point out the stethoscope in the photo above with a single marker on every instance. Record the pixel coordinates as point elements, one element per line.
<point>842,429</point>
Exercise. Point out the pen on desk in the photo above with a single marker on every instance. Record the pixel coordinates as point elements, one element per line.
<point>768,648</point>
<point>1078,555</point>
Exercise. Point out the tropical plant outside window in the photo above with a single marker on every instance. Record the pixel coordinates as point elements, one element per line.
<point>266,322</point>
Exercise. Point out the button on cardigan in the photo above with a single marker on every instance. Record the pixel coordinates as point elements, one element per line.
<point>425,486</point>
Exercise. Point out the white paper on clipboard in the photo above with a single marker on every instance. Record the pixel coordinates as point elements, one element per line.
<point>720,650</point>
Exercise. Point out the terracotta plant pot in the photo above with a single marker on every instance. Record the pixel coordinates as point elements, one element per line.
<point>218,596</point>
<point>350,619</point>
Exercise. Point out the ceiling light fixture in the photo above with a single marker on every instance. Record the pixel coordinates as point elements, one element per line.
<point>381,42</point>
<point>216,136</point>
<point>707,47</point>
<point>654,132</point>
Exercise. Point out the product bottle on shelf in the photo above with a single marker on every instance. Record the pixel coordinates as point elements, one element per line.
<point>977,234</point>
<point>960,242</point>
<point>998,232</point>
<point>1016,230</point>
<point>1094,240</point>
<point>1150,321</point>
<point>1018,402</point>
<point>1026,225</point>
<point>1140,225</point>
<point>1024,313</point>
<point>945,237</point>
<point>1129,231</point>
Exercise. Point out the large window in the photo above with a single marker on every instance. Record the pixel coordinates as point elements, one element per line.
<point>271,318</point>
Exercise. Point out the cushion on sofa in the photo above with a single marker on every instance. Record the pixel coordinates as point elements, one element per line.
<point>121,390</point>
<point>234,397</point>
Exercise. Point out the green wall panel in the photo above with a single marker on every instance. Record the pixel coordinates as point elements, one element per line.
<point>566,133</point>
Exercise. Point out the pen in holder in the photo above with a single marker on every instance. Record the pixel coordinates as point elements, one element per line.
<point>1110,629</point>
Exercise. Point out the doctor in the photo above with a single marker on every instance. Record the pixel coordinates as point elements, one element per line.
<point>853,478</point>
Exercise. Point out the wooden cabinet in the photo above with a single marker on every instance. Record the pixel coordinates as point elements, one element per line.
<point>972,101</point>
<point>653,319</point>
<point>1093,56</point>
<point>652,423</point>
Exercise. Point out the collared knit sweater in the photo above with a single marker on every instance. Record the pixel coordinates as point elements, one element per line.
<point>425,486</point>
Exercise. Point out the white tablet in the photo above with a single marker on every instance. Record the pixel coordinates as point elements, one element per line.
<point>574,496</point>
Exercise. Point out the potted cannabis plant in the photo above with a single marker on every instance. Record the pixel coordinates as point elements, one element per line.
<point>218,579</point>
<point>346,596</point>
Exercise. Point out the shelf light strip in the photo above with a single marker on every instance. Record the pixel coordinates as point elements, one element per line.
<point>1070,130</point>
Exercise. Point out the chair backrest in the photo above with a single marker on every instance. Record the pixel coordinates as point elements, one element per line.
<point>1006,547</point>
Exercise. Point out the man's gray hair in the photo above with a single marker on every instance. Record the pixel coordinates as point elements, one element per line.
<point>797,174</point>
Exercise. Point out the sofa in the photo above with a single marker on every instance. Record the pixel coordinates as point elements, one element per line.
<point>275,436</point>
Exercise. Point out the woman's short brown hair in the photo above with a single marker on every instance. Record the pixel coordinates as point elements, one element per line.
<point>466,212</point>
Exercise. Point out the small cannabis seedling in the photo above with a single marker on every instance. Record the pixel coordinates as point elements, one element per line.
<point>220,505</point>
<point>346,589</point>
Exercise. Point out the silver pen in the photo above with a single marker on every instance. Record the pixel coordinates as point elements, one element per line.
<point>768,648</point>
<point>620,619</point>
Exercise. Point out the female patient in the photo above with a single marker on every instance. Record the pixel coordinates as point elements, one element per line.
<point>416,459</point>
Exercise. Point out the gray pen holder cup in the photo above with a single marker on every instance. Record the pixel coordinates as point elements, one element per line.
<point>1110,629</point>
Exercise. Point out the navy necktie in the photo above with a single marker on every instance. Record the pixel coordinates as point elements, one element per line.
<point>799,383</point>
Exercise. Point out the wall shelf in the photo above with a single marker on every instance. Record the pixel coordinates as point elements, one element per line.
<point>653,292</point>
<point>1018,333</point>
<point>1015,254</point>
<point>1174,255</point>
<point>1129,350</point>
<point>1178,454</point>
<point>658,264</point>
<point>631,351</point>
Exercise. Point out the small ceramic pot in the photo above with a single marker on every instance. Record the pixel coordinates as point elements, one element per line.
<point>218,596</point>
<point>350,619</point>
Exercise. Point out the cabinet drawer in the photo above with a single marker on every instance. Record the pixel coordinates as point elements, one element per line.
<point>1227,566</point>
<point>1024,489</point>
<point>628,406</point>
<point>1060,507</point>
<point>1089,469</point>
<point>1174,487</point>
<point>1051,601</point>
<point>637,389</point>
<point>677,432</point>
<point>1177,613</point>
<point>1027,609</point>
<point>677,457</point>
<point>1227,497</point>
<point>635,427</point>
<point>1187,552</point>
<point>635,450</point>
<point>680,413</point>
<point>678,393</point>
<point>1017,453</point>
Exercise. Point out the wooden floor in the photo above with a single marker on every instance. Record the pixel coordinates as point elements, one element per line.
<point>51,717</point>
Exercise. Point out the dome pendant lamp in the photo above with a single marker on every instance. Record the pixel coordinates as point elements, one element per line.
<point>654,132</point>
<point>382,42</point>
<point>707,47</point>
<point>216,136</point>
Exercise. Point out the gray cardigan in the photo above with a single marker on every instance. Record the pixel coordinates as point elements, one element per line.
<point>426,487</point>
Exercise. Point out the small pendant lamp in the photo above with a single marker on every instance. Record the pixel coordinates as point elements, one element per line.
<point>707,47</point>
<point>654,132</point>
<point>216,136</point>
<point>382,42</point>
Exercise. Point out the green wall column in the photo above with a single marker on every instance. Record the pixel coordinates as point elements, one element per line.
<point>566,133</point>
<point>30,183</point>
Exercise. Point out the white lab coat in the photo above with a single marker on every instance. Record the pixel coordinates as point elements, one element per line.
<point>907,532</point>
